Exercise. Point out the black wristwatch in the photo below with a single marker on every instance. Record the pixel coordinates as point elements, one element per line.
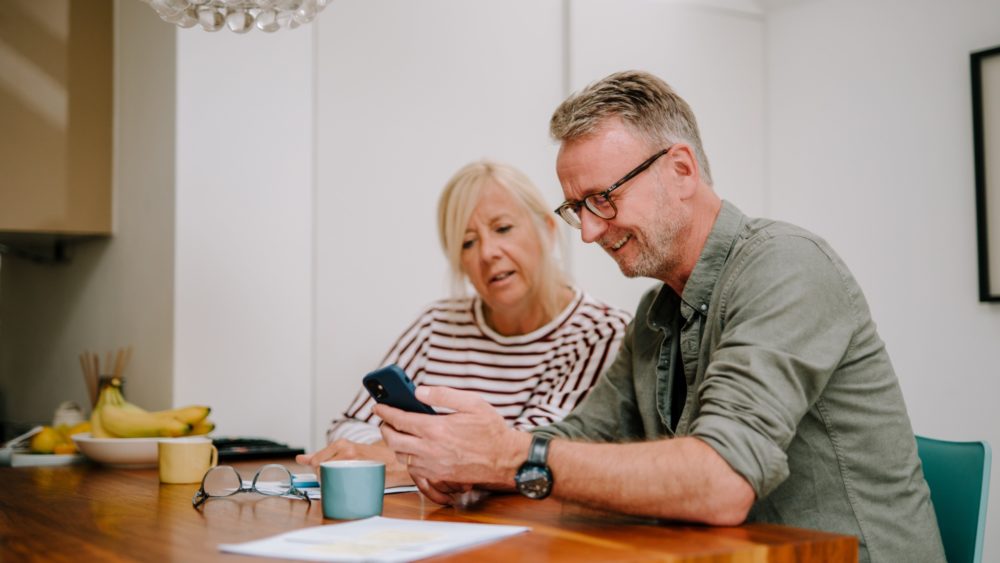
<point>534,478</point>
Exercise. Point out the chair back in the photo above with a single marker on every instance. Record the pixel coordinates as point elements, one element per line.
<point>958,474</point>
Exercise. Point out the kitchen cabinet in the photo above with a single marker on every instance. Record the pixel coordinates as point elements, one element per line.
<point>56,90</point>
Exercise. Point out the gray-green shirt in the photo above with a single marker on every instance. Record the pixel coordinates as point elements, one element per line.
<point>787,379</point>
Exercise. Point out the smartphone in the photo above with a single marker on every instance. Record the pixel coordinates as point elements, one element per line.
<point>391,386</point>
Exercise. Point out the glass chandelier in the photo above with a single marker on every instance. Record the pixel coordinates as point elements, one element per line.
<point>240,16</point>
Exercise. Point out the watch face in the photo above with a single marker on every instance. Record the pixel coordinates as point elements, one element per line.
<point>534,481</point>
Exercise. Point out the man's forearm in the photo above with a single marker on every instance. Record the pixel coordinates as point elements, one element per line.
<point>681,478</point>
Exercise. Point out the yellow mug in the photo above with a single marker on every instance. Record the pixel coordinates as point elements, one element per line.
<point>185,460</point>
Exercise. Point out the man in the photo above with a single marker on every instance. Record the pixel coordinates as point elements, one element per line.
<point>751,386</point>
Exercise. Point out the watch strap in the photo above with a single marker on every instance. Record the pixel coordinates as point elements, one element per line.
<point>538,453</point>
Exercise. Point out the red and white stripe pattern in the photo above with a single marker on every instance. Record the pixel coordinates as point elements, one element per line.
<point>531,379</point>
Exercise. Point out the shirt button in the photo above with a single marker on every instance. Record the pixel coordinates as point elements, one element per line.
<point>704,307</point>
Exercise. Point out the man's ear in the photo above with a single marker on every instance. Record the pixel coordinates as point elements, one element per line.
<point>685,169</point>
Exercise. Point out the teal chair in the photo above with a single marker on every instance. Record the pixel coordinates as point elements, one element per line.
<point>958,474</point>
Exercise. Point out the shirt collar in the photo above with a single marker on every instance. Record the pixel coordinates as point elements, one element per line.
<point>701,284</point>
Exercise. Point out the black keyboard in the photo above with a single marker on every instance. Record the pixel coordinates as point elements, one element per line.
<point>232,448</point>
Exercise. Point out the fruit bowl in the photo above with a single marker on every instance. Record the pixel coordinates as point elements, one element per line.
<point>119,452</point>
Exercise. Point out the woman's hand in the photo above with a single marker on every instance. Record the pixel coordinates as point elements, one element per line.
<point>395,472</point>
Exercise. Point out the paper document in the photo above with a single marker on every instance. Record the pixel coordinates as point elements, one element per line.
<point>375,539</point>
<point>315,494</point>
<point>312,488</point>
<point>401,489</point>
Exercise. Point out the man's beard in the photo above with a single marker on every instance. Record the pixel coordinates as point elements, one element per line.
<point>656,255</point>
<point>658,252</point>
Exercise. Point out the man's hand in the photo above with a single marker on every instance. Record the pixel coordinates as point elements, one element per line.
<point>395,472</point>
<point>447,454</point>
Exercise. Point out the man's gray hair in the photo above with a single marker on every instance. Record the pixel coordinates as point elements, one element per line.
<point>643,102</point>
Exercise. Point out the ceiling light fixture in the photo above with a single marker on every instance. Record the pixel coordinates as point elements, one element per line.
<point>240,16</point>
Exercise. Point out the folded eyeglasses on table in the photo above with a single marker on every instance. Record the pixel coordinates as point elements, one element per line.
<point>224,481</point>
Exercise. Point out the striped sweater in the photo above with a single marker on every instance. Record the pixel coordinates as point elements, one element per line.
<point>532,379</point>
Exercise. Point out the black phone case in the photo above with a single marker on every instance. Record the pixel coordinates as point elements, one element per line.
<point>391,386</point>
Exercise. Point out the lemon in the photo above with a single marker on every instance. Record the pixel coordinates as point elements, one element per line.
<point>64,448</point>
<point>46,440</point>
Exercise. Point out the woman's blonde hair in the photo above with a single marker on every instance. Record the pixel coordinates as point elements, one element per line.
<point>459,199</point>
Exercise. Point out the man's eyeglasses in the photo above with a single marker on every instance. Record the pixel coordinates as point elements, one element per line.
<point>225,481</point>
<point>600,204</point>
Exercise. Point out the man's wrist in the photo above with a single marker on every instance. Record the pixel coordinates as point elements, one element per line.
<point>515,453</point>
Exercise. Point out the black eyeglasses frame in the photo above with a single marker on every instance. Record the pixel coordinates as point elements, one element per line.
<point>569,211</point>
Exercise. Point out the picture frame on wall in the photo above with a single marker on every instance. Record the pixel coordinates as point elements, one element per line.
<point>985,66</point>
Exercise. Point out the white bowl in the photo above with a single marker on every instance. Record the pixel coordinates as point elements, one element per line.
<point>119,452</point>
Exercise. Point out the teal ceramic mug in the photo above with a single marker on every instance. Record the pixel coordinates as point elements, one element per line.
<point>352,489</point>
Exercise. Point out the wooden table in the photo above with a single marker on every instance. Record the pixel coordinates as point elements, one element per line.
<point>89,513</point>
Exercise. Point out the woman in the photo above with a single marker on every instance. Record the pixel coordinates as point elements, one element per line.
<point>531,344</point>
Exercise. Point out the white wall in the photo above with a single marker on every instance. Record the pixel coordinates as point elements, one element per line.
<point>243,292</point>
<point>871,146</point>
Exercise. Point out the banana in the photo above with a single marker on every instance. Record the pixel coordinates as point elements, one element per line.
<point>125,423</point>
<point>114,417</point>
<point>110,395</point>
<point>202,427</point>
<point>96,428</point>
<point>131,407</point>
<point>192,414</point>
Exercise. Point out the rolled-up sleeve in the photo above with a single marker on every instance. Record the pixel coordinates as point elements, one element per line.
<point>785,321</point>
